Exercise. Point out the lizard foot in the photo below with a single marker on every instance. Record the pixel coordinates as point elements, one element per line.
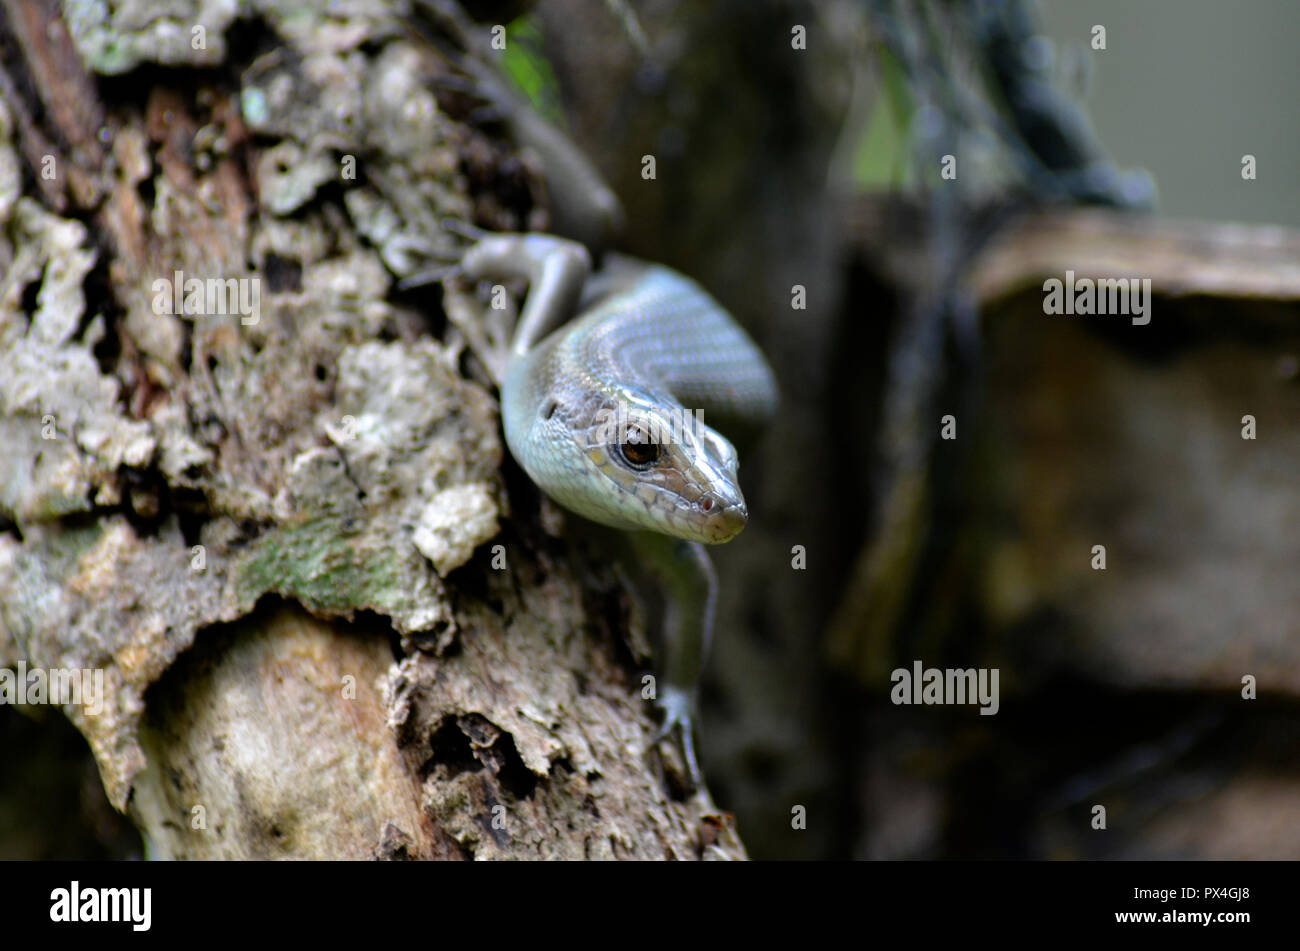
<point>678,709</point>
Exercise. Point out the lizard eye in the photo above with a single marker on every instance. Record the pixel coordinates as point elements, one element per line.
<point>637,448</point>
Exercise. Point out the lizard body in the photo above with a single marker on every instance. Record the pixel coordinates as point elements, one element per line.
<point>609,386</point>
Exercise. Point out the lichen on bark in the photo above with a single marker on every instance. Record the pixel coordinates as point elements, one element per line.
<point>269,527</point>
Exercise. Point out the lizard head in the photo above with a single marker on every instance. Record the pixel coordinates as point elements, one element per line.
<point>632,461</point>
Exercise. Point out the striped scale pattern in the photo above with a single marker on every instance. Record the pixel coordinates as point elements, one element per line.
<point>650,354</point>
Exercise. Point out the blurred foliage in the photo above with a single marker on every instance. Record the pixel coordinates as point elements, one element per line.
<point>529,70</point>
<point>881,159</point>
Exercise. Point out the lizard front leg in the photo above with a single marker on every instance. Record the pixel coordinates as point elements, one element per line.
<point>592,411</point>
<point>688,584</point>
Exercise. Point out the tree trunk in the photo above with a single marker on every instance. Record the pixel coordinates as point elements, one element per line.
<point>262,491</point>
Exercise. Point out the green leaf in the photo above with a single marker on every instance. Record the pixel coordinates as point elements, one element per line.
<point>528,69</point>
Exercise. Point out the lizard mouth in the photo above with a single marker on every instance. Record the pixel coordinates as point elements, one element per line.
<point>724,522</point>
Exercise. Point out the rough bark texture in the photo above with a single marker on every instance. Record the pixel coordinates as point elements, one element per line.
<point>271,530</point>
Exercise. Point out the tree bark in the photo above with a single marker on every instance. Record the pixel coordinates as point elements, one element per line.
<point>283,533</point>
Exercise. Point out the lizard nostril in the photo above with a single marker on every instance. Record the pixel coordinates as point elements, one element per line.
<point>707,505</point>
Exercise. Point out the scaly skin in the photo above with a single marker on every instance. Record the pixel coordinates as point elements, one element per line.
<point>607,413</point>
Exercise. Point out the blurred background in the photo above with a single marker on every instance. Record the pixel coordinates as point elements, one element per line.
<point>1185,90</point>
<point>822,168</point>
<point>803,145</point>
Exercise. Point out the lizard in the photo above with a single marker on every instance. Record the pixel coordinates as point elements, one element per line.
<point>607,382</point>
<point>606,387</point>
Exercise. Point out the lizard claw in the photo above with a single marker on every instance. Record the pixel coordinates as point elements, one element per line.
<point>449,266</point>
<point>437,275</point>
<point>678,706</point>
<point>462,229</point>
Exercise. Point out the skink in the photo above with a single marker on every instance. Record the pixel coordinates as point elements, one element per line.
<point>608,386</point>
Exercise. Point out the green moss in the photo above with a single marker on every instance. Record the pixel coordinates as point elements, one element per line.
<point>64,547</point>
<point>324,565</point>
